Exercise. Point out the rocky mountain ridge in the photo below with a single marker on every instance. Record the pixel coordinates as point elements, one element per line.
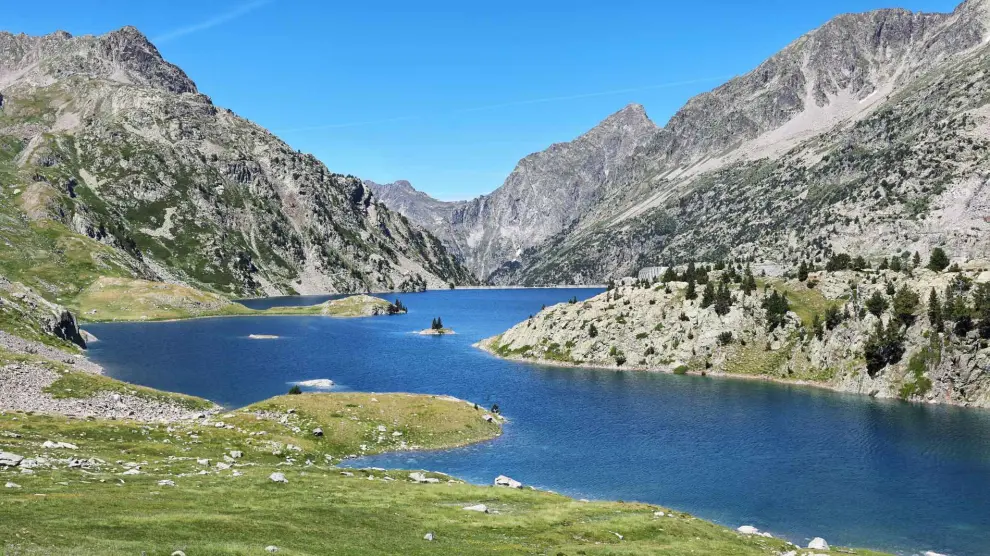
<point>104,136</point>
<point>868,135</point>
<point>544,194</point>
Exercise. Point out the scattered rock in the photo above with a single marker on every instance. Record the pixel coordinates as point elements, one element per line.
<point>12,485</point>
<point>278,478</point>
<point>428,537</point>
<point>166,483</point>
<point>8,459</point>
<point>818,543</point>
<point>178,553</point>
<point>504,481</point>
<point>317,432</point>
<point>477,508</point>
<point>748,530</point>
<point>49,445</point>
<point>272,548</point>
<point>236,454</point>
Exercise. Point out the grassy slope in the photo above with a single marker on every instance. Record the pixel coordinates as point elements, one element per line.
<point>319,511</point>
<point>125,299</point>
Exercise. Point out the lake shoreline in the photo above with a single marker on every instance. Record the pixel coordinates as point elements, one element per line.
<point>485,346</point>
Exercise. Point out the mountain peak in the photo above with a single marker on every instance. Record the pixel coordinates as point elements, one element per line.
<point>129,49</point>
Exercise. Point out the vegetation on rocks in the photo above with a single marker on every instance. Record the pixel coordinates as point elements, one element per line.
<point>864,331</point>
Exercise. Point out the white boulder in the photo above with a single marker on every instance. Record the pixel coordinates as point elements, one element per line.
<point>477,508</point>
<point>818,543</point>
<point>504,481</point>
<point>278,478</point>
<point>748,530</point>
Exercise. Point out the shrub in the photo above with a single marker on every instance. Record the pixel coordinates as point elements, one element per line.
<point>295,390</point>
<point>725,338</point>
<point>681,370</point>
<point>592,330</point>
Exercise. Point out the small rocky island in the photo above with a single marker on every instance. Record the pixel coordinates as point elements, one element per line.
<point>436,329</point>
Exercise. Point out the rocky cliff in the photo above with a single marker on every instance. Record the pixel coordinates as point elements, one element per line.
<point>544,195</point>
<point>823,335</point>
<point>105,137</point>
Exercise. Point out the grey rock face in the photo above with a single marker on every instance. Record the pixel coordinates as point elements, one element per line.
<point>117,144</point>
<point>864,135</point>
<point>545,194</point>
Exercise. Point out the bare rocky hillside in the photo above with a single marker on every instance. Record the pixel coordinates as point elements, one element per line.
<point>105,137</point>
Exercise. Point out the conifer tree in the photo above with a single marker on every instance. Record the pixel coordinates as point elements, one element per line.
<point>802,272</point>
<point>723,300</point>
<point>938,261</point>
<point>708,295</point>
<point>935,312</point>
<point>690,293</point>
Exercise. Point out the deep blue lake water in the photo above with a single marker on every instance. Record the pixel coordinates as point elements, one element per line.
<point>798,462</point>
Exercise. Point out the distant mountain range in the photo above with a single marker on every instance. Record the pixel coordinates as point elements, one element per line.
<point>867,135</point>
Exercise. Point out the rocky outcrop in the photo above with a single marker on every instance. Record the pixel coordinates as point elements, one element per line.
<point>34,317</point>
<point>657,327</point>
<point>544,195</point>
<point>115,143</point>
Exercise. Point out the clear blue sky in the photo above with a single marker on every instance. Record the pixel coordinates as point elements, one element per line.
<point>449,95</point>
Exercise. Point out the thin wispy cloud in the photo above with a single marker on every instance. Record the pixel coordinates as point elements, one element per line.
<point>510,104</point>
<point>215,21</point>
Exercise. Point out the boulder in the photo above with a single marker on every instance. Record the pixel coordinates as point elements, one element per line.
<point>271,548</point>
<point>818,543</point>
<point>12,485</point>
<point>317,432</point>
<point>504,481</point>
<point>236,454</point>
<point>49,445</point>
<point>278,478</point>
<point>8,459</point>
<point>166,482</point>
<point>477,508</point>
<point>428,537</point>
<point>748,530</point>
<point>178,553</point>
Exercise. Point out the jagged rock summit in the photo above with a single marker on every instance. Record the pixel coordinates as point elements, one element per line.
<point>544,195</point>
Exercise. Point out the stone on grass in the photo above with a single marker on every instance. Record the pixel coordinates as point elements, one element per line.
<point>477,508</point>
<point>166,483</point>
<point>178,553</point>
<point>272,548</point>
<point>278,478</point>
<point>317,432</point>
<point>236,454</point>
<point>49,445</point>
<point>818,543</point>
<point>8,459</point>
<point>504,481</point>
<point>748,530</point>
<point>428,537</point>
<point>12,485</point>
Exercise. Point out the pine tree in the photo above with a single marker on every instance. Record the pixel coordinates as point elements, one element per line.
<point>916,260</point>
<point>877,304</point>
<point>708,295</point>
<point>816,326</point>
<point>938,261</point>
<point>690,293</point>
<point>905,303</point>
<point>802,274</point>
<point>895,264</point>
<point>749,281</point>
<point>723,300</point>
<point>935,312</point>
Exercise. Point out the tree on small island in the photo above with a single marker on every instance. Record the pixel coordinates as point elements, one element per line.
<point>397,308</point>
<point>437,324</point>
